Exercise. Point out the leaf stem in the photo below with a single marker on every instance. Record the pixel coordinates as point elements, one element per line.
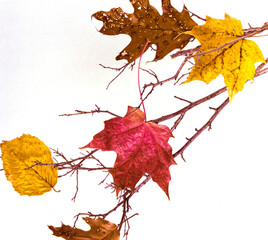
<point>139,66</point>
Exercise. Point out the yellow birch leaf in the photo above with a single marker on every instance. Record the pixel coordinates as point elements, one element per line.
<point>235,62</point>
<point>100,229</point>
<point>22,161</point>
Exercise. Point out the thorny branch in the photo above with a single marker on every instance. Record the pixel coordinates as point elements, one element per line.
<point>193,14</point>
<point>123,200</point>
<point>120,69</point>
<point>251,34</point>
<point>190,106</point>
<point>202,129</point>
<point>74,165</point>
<point>97,110</point>
<point>189,53</point>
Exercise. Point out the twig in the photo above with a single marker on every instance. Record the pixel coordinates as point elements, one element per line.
<point>159,83</point>
<point>124,202</point>
<point>151,72</point>
<point>120,69</point>
<point>190,106</point>
<point>252,30</point>
<point>198,132</point>
<point>77,181</point>
<point>128,194</point>
<point>97,110</point>
<point>247,35</point>
<point>69,162</point>
<point>179,70</point>
<point>178,121</point>
<point>260,70</point>
<point>75,165</point>
<point>187,53</point>
<point>193,14</point>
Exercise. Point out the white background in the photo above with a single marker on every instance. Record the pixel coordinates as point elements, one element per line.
<point>49,64</point>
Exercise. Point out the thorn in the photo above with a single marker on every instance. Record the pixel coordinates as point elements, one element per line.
<point>209,127</point>
<point>97,107</point>
<point>183,157</point>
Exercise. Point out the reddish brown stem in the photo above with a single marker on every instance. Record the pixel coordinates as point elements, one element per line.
<point>139,66</point>
<point>198,132</point>
<point>191,105</point>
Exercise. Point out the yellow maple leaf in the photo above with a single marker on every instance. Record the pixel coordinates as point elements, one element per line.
<point>28,165</point>
<point>235,62</point>
<point>100,229</point>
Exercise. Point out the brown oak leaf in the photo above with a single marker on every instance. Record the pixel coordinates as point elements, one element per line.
<point>146,24</point>
<point>100,229</point>
<point>141,147</point>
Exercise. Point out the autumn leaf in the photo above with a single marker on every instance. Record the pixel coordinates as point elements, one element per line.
<point>141,147</point>
<point>22,161</point>
<point>235,61</point>
<point>100,229</point>
<point>146,24</point>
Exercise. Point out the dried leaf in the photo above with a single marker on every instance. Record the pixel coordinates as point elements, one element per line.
<point>146,24</point>
<point>141,147</point>
<point>100,229</point>
<point>235,61</point>
<point>22,161</point>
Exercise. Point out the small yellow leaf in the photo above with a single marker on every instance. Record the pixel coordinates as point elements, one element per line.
<point>100,229</point>
<point>235,61</point>
<point>28,165</point>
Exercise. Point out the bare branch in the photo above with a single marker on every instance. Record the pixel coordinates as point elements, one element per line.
<point>73,166</point>
<point>187,53</point>
<point>190,106</point>
<point>69,162</point>
<point>151,72</point>
<point>177,122</point>
<point>160,83</point>
<point>127,194</point>
<point>120,69</point>
<point>198,132</point>
<point>124,202</point>
<point>77,181</point>
<point>247,35</point>
<point>97,110</point>
<point>193,14</point>
<point>260,70</point>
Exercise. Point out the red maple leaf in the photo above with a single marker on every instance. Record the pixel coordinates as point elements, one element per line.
<point>141,147</point>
